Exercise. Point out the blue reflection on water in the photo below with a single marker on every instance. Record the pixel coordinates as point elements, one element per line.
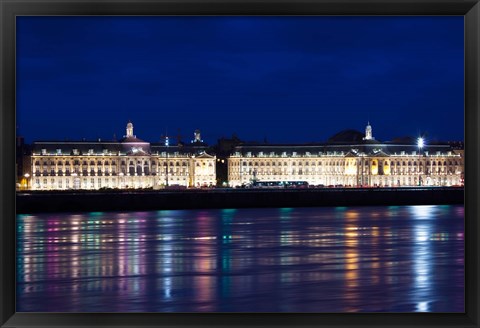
<point>349,259</point>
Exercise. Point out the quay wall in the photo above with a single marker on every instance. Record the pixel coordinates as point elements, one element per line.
<point>81,201</point>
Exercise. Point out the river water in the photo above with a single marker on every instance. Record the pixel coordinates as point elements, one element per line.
<point>337,259</point>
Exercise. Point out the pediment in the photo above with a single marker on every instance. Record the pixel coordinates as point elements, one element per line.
<point>204,155</point>
<point>378,153</point>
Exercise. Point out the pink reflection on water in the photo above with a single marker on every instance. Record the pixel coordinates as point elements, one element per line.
<point>246,260</point>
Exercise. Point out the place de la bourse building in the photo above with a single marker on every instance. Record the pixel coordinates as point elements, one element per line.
<point>349,158</point>
<point>124,164</point>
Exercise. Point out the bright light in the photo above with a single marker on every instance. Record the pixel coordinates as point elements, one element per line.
<point>420,143</point>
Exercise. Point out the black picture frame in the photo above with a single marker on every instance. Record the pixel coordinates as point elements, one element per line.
<point>9,9</point>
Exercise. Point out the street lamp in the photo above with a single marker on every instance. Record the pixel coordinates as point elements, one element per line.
<point>26,177</point>
<point>420,144</point>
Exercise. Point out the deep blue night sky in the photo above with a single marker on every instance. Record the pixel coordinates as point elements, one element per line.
<point>286,79</point>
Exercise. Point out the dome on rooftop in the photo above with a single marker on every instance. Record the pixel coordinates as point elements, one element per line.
<point>404,140</point>
<point>348,135</point>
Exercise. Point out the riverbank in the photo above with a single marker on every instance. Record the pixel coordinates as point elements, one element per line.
<point>81,201</point>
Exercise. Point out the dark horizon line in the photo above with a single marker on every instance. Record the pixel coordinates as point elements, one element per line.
<point>253,142</point>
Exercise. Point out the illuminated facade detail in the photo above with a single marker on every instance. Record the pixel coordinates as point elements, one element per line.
<point>353,161</point>
<point>129,130</point>
<point>203,172</point>
<point>128,163</point>
<point>197,137</point>
<point>368,132</point>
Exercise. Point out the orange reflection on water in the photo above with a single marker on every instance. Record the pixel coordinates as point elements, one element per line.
<point>252,260</point>
<point>204,292</point>
<point>351,261</point>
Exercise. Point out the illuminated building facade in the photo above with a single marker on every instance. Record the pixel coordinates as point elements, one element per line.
<point>128,163</point>
<point>349,158</point>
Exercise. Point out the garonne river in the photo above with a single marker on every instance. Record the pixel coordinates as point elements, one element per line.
<point>328,259</point>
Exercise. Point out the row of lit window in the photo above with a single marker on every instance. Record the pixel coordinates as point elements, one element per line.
<point>342,163</point>
<point>77,183</point>
<point>337,170</point>
<point>107,163</point>
<point>86,173</point>
<point>331,153</point>
<point>91,151</point>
